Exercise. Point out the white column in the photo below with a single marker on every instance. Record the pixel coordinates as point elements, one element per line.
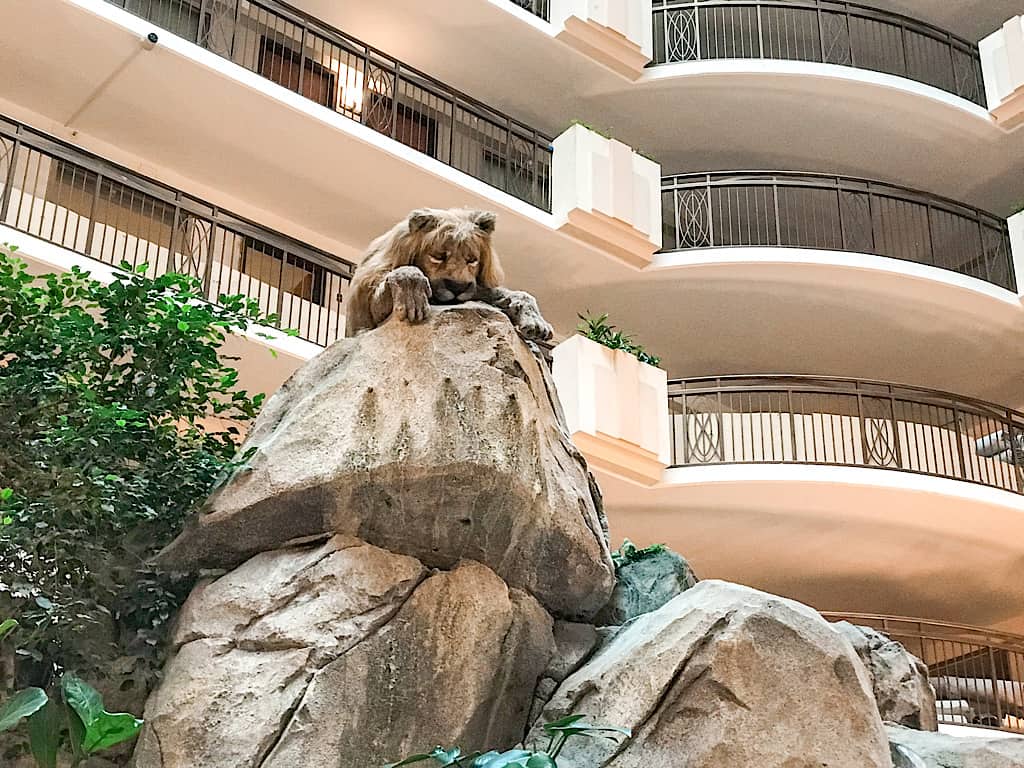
<point>1002,64</point>
<point>617,33</point>
<point>604,193</point>
<point>1016,225</point>
<point>616,408</point>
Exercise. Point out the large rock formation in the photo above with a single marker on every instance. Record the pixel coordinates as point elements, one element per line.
<point>725,676</point>
<point>921,749</point>
<point>442,441</point>
<point>898,678</point>
<point>345,655</point>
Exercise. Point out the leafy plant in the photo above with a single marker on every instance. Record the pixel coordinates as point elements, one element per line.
<point>597,328</point>
<point>559,732</point>
<point>628,553</point>
<point>73,718</point>
<point>106,394</point>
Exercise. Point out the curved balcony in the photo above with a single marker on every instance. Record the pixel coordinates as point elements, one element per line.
<point>345,75</point>
<point>77,201</point>
<point>977,673</point>
<point>819,31</point>
<point>804,210</point>
<point>845,422</point>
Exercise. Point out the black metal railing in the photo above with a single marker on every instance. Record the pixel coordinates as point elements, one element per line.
<point>541,8</point>
<point>977,673</point>
<point>824,31</point>
<point>72,198</point>
<point>777,419</point>
<point>804,210</point>
<point>356,80</point>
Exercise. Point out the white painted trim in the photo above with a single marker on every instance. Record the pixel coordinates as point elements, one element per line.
<point>358,131</point>
<point>526,17</point>
<point>704,257</point>
<point>783,68</point>
<point>53,257</point>
<point>967,731</point>
<point>818,474</point>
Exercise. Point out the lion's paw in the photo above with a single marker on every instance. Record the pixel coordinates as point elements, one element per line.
<point>529,321</point>
<point>410,294</point>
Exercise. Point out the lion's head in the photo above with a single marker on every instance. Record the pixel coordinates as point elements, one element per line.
<point>453,249</point>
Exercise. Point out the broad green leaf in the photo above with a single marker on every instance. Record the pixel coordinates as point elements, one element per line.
<point>6,627</point>
<point>44,734</point>
<point>541,760</point>
<point>102,729</point>
<point>446,756</point>
<point>22,704</point>
<point>6,493</point>
<point>502,759</point>
<point>555,725</point>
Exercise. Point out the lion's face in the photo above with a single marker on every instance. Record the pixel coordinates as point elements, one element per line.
<point>453,249</point>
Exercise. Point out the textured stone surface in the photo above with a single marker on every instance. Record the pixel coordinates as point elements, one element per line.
<point>441,440</point>
<point>574,643</point>
<point>344,654</point>
<point>646,584</point>
<point>936,750</point>
<point>899,679</point>
<point>725,676</point>
<point>457,665</point>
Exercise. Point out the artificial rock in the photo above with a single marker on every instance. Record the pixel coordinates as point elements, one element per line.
<point>725,676</point>
<point>898,678</point>
<point>923,749</point>
<point>645,584</point>
<point>441,440</point>
<point>341,654</point>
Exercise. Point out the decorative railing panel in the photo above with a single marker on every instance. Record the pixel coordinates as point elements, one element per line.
<point>977,674</point>
<point>541,8</point>
<point>845,422</point>
<point>823,31</point>
<point>802,210</point>
<point>351,78</point>
<point>78,201</point>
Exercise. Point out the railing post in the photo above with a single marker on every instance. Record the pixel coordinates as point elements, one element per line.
<point>12,164</point>
<point>508,154</point>
<point>451,132</point>
<point>960,444</point>
<point>302,61</point>
<point>207,278</point>
<point>821,35</point>
<point>995,685</point>
<point>234,30</point>
<point>90,235</point>
<point>394,101</point>
<point>175,231</point>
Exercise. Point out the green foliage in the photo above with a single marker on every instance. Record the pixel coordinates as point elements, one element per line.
<point>597,328</point>
<point>628,553</point>
<point>74,718</point>
<point>105,449</point>
<point>558,733</point>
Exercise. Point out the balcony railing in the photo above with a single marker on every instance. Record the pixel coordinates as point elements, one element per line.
<point>977,674</point>
<point>802,210</point>
<point>353,79</point>
<point>78,201</point>
<point>845,422</point>
<point>823,31</point>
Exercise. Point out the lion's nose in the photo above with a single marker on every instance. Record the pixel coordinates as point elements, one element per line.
<point>456,287</point>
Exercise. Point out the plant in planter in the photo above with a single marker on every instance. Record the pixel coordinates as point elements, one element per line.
<point>597,328</point>
<point>71,717</point>
<point>559,732</point>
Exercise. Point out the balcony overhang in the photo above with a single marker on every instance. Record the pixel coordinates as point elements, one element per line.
<point>865,539</point>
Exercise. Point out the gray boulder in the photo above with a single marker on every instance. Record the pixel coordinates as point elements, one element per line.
<point>645,581</point>
<point>341,654</point>
<point>442,440</point>
<point>921,749</point>
<point>725,676</point>
<point>898,678</point>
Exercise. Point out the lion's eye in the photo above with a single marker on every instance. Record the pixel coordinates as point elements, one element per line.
<point>439,258</point>
<point>471,260</point>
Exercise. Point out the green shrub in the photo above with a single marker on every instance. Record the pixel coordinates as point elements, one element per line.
<point>628,553</point>
<point>597,328</point>
<point>104,451</point>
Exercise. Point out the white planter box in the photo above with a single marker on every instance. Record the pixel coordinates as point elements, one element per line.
<point>1002,63</point>
<point>616,33</point>
<point>616,408</point>
<point>607,195</point>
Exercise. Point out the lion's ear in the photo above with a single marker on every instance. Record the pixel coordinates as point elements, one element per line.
<point>485,221</point>
<point>422,220</point>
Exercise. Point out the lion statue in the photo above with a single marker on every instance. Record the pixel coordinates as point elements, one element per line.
<point>435,257</point>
